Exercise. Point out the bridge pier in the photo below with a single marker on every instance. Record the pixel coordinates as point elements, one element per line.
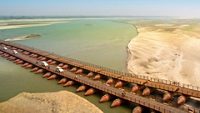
<point>1,53</point>
<point>26,52</point>
<point>35,56</point>
<point>90,91</point>
<point>62,81</point>
<point>39,71</point>
<point>181,100</point>
<point>29,66</point>
<point>43,58</point>
<point>79,71</point>
<point>25,64</point>
<point>167,96</point>
<point>73,69</point>
<point>48,74</point>
<point>11,58</point>
<point>65,66</point>
<point>137,109</point>
<point>39,57</point>
<point>7,55</point>
<point>110,81</point>
<point>61,64</point>
<point>52,77</point>
<point>20,62</point>
<point>8,58</point>
<point>105,98</point>
<point>135,88</point>
<point>49,61</point>
<point>14,48</point>
<point>16,61</point>
<point>146,92</point>
<point>90,74</point>
<point>97,77</point>
<point>69,83</point>
<point>117,102</point>
<point>14,58</point>
<point>119,84</point>
<point>53,63</point>
<point>81,88</point>
<point>31,55</point>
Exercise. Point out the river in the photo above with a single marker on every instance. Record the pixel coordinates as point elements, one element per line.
<point>97,41</point>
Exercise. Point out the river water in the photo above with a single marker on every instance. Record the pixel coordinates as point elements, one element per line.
<point>101,42</point>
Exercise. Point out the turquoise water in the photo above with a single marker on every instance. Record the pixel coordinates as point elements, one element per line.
<point>101,42</point>
<point>96,41</point>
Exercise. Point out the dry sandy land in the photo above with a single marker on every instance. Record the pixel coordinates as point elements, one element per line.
<point>21,23</point>
<point>22,26</point>
<point>54,102</point>
<point>167,50</point>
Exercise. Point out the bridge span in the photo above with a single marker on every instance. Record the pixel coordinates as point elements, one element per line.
<point>145,92</point>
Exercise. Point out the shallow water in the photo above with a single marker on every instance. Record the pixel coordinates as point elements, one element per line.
<point>96,41</point>
<point>100,42</point>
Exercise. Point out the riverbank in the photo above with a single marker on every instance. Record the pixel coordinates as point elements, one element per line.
<point>54,102</point>
<point>166,51</point>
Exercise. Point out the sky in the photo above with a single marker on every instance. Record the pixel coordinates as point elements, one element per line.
<point>174,8</point>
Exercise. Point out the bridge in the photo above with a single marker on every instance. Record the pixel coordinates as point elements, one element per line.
<point>144,92</point>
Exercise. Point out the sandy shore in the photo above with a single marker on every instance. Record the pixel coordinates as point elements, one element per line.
<point>22,26</point>
<point>168,51</point>
<point>29,25</point>
<point>55,102</point>
<point>21,23</point>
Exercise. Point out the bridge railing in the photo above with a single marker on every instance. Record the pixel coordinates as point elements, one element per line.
<point>175,83</point>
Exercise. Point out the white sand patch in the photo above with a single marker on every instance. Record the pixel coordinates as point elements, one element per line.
<point>34,20</point>
<point>29,25</point>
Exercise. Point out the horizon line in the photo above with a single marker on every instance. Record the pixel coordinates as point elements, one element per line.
<point>97,16</point>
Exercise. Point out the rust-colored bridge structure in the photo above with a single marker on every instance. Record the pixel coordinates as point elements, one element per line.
<point>143,92</point>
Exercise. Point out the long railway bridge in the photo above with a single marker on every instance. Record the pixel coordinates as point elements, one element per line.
<point>143,92</point>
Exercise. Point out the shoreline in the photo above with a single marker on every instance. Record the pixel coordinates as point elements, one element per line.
<point>22,23</point>
<point>24,26</point>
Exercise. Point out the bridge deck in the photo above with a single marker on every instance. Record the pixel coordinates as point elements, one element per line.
<point>167,85</point>
<point>164,108</point>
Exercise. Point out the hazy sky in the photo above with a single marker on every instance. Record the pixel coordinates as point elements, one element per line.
<point>178,8</point>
